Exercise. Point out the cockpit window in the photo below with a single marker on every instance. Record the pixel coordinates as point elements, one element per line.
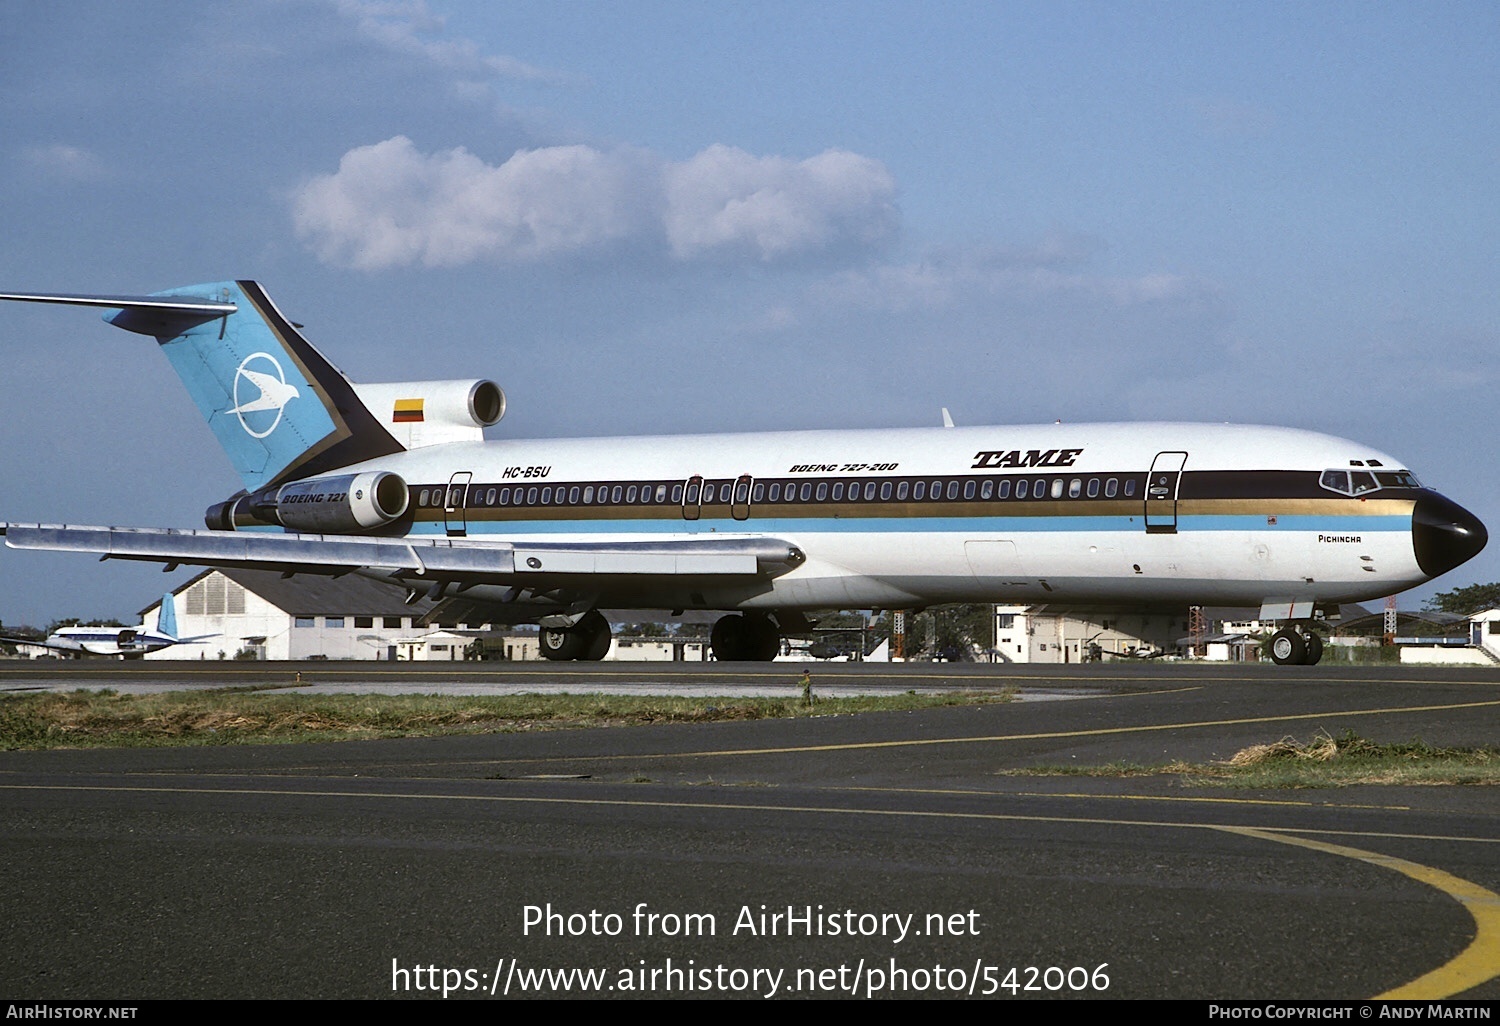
<point>1364,482</point>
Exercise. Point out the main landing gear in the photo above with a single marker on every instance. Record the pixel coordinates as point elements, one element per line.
<point>1296,644</point>
<point>586,639</point>
<point>745,637</point>
<point>739,637</point>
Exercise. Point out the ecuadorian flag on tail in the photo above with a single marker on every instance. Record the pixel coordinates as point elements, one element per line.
<point>407,411</point>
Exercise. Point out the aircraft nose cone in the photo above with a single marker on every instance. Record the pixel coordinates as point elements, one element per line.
<point>1444,534</point>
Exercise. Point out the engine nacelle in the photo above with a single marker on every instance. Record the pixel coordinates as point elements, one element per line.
<point>342,504</point>
<point>419,413</point>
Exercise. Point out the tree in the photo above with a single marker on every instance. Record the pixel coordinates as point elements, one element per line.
<point>1465,601</point>
<point>951,632</point>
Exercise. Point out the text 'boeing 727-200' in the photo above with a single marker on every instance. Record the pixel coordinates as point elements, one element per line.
<point>396,481</point>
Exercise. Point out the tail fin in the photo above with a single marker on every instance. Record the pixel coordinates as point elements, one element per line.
<point>277,406</point>
<point>166,620</point>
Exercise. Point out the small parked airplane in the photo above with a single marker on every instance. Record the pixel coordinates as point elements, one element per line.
<point>397,482</point>
<point>126,642</point>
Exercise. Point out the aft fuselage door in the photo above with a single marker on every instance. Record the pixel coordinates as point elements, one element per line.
<point>740,504</point>
<point>692,498</point>
<point>1161,492</point>
<point>453,506</point>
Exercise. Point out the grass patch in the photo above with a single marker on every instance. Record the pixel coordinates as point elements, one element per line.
<point>1324,761</point>
<point>231,716</point>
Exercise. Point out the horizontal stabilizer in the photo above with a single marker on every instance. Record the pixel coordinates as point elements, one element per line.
<point>145,315</point>
<point>430,558</point>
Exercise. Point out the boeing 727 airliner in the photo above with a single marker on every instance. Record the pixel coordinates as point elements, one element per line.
<point>396,481</point>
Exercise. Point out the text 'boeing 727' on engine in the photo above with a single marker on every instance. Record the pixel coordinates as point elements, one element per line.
<point>395,481</point>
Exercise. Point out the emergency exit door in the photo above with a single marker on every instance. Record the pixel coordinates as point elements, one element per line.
<point>1161,492</point>
<point>455,519</point>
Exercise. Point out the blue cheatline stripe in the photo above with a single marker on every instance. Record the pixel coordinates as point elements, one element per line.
<point>919,525</point>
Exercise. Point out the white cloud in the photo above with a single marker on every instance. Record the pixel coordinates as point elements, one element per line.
<point>724,199</point>
<point>389,205</point>
<point>953,279</point>
<point>73,163</point>
<point>403,25</point>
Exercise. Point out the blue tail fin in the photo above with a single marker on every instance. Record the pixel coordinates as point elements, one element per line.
<point>277,406</point>
<point>166,620</point>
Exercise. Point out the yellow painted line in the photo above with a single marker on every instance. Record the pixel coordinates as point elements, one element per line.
<point>994,738</point>
<point>1282,832</point>
<point>966,791</point>
<point>1476,964</point>
<point>1190,675</point>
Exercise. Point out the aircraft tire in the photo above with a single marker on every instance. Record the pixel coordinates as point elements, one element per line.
<point>1288,648</point>
<point>727,639</point>
<point>596,635</point>
<point>737,638</point>
<point>1314,649</point>
<point>560,643</point>
<point>763,639</point>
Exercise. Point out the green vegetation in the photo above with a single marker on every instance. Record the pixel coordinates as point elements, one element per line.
<point>1322,762</point>
<point>1476,598</point>
<point>232,716</point>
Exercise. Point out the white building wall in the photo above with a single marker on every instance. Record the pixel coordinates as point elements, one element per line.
<point>237,618</point>
<point>1426,655</point>
<point>652,651</point>
<point>231,614</point>
<point>1025,635</point>
<point>1487,627</point>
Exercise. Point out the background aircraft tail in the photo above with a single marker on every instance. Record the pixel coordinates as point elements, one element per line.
<point>277,406</point>
<point>166,620</point>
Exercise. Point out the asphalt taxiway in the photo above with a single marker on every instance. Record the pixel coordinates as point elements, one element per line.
<point>883,854</point>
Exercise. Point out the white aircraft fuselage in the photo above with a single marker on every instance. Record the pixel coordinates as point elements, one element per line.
<point>1053,513</point>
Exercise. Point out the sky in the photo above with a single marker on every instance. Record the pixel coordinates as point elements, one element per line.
<point>685,217</point>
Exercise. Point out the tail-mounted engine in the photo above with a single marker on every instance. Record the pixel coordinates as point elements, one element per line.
<point>419,413</point>
<point>341,504</point>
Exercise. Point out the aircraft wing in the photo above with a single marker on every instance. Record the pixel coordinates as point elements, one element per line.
<point>39,644</point>
<point>428,559</point>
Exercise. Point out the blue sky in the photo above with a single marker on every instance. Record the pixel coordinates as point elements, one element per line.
<point>664,217</point>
